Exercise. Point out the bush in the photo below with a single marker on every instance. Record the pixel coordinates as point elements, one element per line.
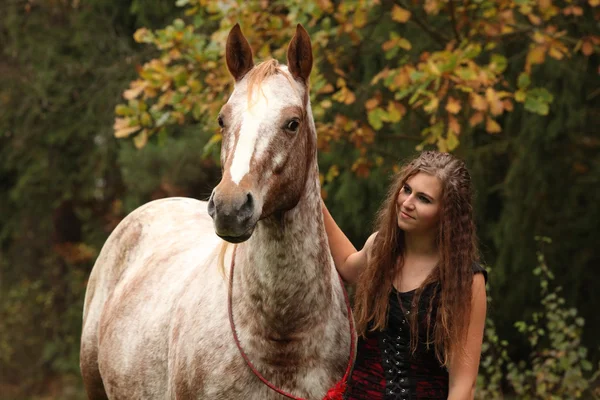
<point>557,366</point>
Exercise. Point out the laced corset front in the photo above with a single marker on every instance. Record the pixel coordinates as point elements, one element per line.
<point>385,369</point>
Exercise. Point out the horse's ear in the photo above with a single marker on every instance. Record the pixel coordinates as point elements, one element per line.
<point>299,55</point>
<point>238,53</point>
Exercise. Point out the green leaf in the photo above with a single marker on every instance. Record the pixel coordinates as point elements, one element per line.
<point>450,64</point>
<point>179,24</point>
<point>391,53</point>
<point>416,75</point>
<point>403,93</point>
<point>123,110</point>
<point>465,73</point>
<point>473,50</point>
<point>524,81</point>
<point>543,94</point>
<point>452,141</point>
<point>500,62</point>
<point>376,117</point>
<point>535,105</point>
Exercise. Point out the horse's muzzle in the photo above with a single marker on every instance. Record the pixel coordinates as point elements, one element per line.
<point>234,215</point>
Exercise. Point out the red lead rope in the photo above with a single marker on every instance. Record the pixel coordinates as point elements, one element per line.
<point>336,392</point>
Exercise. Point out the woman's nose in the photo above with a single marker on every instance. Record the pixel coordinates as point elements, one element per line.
<point>408,203</point>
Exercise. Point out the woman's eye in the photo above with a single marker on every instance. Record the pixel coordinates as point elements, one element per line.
<point>292,125</point>
<point>221,123</point>
<point>424,199</point>
<point>406,189</point>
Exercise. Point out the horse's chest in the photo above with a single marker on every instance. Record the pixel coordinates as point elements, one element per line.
<point>219,372</point>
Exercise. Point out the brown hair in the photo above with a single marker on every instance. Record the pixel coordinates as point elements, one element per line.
<point>453,276</point>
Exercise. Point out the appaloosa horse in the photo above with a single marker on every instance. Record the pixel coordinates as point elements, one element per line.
<point>156,322</point>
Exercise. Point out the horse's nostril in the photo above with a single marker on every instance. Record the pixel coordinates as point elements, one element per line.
<point>247,208</point>
<point>211,206</point>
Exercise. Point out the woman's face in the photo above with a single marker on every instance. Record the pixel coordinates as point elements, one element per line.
<point>418,204</point>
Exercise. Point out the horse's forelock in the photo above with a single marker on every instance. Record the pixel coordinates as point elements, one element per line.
<point>259,74</point>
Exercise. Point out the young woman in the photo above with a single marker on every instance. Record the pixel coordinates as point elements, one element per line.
<point>420,299</point>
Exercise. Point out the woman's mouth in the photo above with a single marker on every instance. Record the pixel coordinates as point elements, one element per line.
<point>405,215</point>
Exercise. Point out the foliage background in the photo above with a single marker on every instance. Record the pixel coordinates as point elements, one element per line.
<point>512,87</point>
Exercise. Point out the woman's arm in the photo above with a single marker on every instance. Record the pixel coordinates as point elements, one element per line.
<point>348,261</point>
<point>463,370</point>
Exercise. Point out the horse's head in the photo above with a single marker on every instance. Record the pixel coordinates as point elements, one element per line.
<point>269,139</point>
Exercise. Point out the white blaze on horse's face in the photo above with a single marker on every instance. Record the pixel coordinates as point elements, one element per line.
<point>268,140</point>
<point>262,113</point>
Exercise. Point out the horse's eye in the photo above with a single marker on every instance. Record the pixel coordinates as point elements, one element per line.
<point>221,123</point>
<point>292,125</point>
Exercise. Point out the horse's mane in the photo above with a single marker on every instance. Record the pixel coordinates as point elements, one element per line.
<point>221,259</point>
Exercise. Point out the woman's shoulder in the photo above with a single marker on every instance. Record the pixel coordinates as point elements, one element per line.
<point>479,269</point>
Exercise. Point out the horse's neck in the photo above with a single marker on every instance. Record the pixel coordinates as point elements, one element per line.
<point>286,268</point>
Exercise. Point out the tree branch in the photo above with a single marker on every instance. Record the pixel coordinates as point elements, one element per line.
<point>434,35</point>
<point>453,19</point>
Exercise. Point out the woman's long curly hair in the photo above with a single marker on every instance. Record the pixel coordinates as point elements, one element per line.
<point>453,276</point>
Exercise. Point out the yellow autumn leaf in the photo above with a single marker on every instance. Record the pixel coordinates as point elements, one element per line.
<point>453,106</point>
<point>453,125</point>
<point>478,102</point>
<point>334,172</point>
<point>534,19</point>
<point>326,103</point>
<point>388,45</point>
<point>587,48</point>
<point>404,44</point>
<point>124,132</point>
<point>135,88</point>
<point>141,139</point>
<point>140,35</point>
<point>433,68</point>
<point>496,106</point>
<point>432,105</point>
<point>394,111</point>
<point>594,3</point>
<point>555,53</point>
<point>326,89</point>
<point>122,128</point>
<point>432,7</point>
<point>400,14</point>
<point>491,126</point>
<point>536,55</point>
<point>360,18</point>
<point>371,103</point>
<point>350,97</point>
<point>476,119</point>
<point>402,79</point>
<point>344,95</point>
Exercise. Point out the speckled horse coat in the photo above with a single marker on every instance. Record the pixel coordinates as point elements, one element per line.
<point>155,322</point>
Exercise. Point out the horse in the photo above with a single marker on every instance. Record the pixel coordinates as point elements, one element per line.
<point>162,320</point>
